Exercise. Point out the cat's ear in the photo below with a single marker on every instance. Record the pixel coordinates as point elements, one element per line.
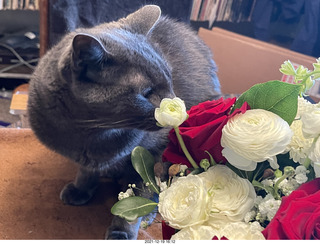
<point>86,49</point>
<point>143,20</point>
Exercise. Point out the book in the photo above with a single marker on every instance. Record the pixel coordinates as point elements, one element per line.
<point>195,9</point>
<point>222,10</point>
<point>203,10</point>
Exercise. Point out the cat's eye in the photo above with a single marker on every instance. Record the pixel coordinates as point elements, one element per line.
<point>147,92</point>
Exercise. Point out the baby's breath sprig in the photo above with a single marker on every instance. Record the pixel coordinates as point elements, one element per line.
<point>306,78</point>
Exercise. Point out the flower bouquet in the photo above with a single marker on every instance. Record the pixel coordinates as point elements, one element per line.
<point>240,168</point>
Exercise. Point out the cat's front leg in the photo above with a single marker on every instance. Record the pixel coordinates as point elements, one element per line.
<point>82,189</point>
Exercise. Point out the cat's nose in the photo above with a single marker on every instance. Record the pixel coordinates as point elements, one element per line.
<point>169,95</point>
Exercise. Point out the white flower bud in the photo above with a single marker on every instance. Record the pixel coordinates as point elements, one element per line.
<point>120,196</point>
<point>172,112</point>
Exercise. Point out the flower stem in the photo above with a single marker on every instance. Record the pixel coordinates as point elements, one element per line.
<point>276,187</point>
<point>257,172</point>
<point>309,74</point>
<point>184,148</point>
<point>287,172</point>
<point>304,80</point>
<point>307,163</point>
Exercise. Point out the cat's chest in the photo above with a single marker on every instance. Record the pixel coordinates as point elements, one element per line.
<point>112,141</point>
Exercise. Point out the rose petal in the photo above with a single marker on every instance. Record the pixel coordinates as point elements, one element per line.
<point>298,217</point>
<point>167,231</point>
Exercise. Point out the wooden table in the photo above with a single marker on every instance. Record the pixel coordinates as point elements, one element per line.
<point>31,177</point>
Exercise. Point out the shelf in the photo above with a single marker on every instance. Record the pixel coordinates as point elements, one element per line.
<point>15,76</point>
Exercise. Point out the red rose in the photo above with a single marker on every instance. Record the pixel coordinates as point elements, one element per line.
<point>167,231</point>
<point>298,217</point>
<point>202,132</point>
<point>216,238</point>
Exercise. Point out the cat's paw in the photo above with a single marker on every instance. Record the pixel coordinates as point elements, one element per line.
<point>71,195</point>
<point>120,229</point>
<point>117,235</point>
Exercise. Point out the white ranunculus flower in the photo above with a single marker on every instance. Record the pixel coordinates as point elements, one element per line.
<point>231,231</point>
<point>315,151</point>
<point>310,123</point>
<point>197,232</point>
<point>242,231</point>
<point>299,146</point>
<point>255,136</point>
<point>172,112</point>
<point>184,203</point>
<point>230,196</point>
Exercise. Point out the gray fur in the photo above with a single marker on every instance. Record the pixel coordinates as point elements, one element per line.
<point>93,95</point>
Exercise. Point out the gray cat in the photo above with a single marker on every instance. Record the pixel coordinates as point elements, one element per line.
<point>93,96</point>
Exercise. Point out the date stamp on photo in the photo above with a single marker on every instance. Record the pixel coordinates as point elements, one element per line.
<point>159,241</point>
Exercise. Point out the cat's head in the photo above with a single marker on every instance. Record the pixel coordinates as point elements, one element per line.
<point>116,74</point>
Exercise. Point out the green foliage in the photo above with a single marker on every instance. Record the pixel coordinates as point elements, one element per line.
<point>131,208</point>
<point>241,173</point>
<point>311,175</point>
<point>143,162</point>
<point>268,189</point>
<point>316,70</point>
<point>306,78</point>
<point>287,68</point>
<point>275,96</point>
<point>212,161</point>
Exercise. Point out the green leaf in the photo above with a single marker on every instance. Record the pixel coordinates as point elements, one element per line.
<point>275,96</point>
<point>143,162</point>
<point>131,208</point>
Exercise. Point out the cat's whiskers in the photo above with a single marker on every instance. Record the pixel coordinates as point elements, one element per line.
<point>103,123</point>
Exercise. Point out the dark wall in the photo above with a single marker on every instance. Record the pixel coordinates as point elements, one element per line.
<point>65,16</point>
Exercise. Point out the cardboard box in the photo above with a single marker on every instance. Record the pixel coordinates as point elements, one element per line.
<point>243,61</point>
